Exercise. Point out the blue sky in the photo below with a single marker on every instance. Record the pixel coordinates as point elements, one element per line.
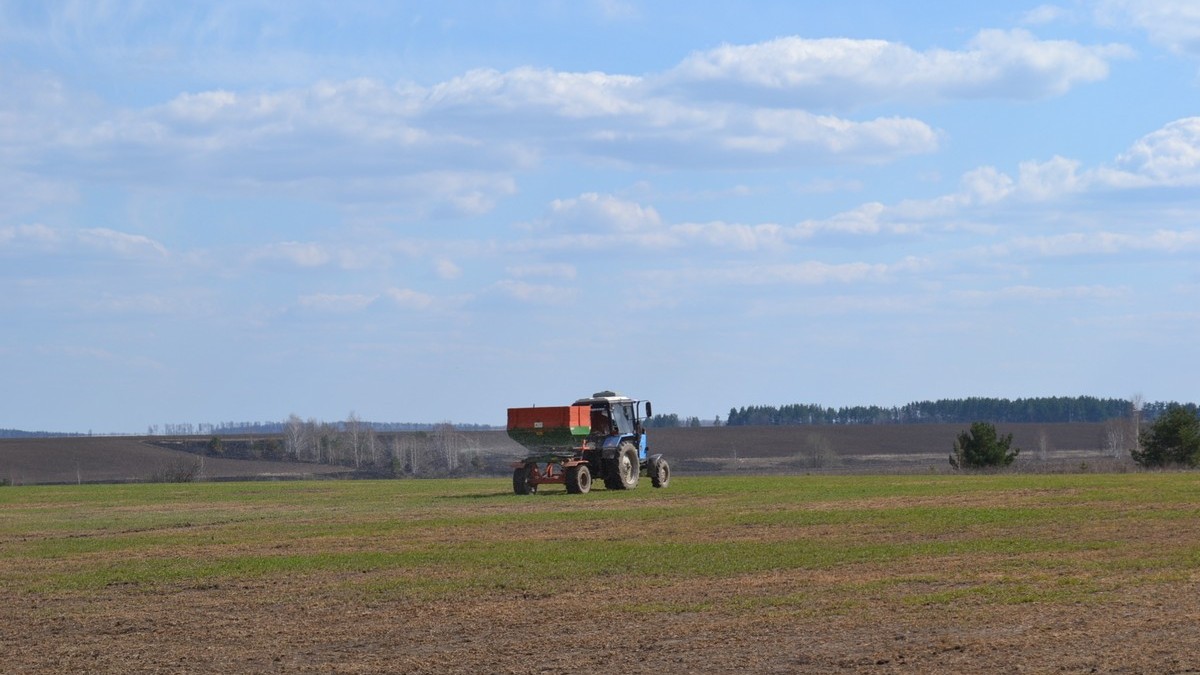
<point>432,211</point>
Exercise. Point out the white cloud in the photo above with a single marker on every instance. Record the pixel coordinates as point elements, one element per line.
<point>869,219</point>
<point>348,255</point>
<point>103,240</point>
<point>1054,178</point>
<point>1027,293</point>
<point>847,72</point>
<point>446,269</point>
<point>92,353</point>
<point>36,235</point>
<point>450,149</point>
<point>563,271</point>
<point>334,302</point>
<point>1044,14</point>
<point>539,294</point>
<point>986,185</point>
<point>409,299</point>
<point>299,254</point>
<point>1174,24</point>
<point>1102,243</point>
<point>593,212</point>
<point>488,93</point>
<point>617,9</point>
<point>732,236</point>
<point>777,130</point>
<point>984,204</point>
<point>1168,156</point>
<point>174,302</point>
<point>807,273</point>
<point>122,243</point>
<point>23,192</point>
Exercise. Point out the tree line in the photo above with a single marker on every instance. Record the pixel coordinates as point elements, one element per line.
<point>17,433</point>
<point>671,420</point>
<point>439,450</point>
<point>1051,409</point>
<point>248,428</point>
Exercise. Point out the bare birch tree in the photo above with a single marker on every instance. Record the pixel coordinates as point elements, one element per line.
<point>293,437</point>
<point>354,432</point>
<point>371,442</point>
<point>1136,403</point>
<point>1115,441</point>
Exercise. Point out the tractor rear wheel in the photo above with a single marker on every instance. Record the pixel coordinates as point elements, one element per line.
<point>623,470</point>
<point>660,474</point>
<point>579,479</point>
<point>523,480</point>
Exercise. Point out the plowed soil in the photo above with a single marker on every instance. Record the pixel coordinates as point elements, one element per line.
<point>288,627</point>
<point>99,459</point>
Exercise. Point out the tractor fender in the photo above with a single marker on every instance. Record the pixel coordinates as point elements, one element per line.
<point>651,462</point>
<point>612,444</point>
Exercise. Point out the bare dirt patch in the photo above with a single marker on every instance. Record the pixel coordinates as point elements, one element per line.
<point>285,627</point>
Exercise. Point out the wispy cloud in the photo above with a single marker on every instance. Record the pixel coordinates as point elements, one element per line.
<point>454,146</point>
<point>841,72</point>
<point>1174,24</point>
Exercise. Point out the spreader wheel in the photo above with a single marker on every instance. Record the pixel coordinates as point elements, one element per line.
<point>579,479</point>
<point>523,480</point>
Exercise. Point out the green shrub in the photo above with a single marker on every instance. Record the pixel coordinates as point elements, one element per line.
<point>981,447</point>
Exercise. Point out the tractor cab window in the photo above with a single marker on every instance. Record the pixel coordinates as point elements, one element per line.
<point>623,418</point>
<point>601,423</point>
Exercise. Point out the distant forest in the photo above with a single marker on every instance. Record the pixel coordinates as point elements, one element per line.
<point>17,433</point>
<point>1046,410</point>
<point>957,411</point>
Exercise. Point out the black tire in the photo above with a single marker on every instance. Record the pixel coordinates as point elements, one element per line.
<point>660,474</point>
<point>523,480</point>
<point>579,479</point>
<point>624,469</point>
<point>609,474</point>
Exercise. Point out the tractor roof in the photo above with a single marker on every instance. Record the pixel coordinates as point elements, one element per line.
<point>610,396</point>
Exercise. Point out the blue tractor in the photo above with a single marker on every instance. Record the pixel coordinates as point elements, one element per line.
<point>601,436</point>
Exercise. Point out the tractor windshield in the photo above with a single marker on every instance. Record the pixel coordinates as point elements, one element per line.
<point>622,417</point>
<point>612,416</point>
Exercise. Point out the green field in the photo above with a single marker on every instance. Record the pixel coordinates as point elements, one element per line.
<point>801,552</point>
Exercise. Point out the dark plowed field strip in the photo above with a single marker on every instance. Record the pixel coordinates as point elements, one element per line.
<point>850,448</point>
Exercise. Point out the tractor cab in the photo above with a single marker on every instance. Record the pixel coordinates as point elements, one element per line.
<point>616,419</point>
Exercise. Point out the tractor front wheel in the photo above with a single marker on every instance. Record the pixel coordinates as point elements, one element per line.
<point>579,479</point>
<point>523,480</point>
<point>660,474</point>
